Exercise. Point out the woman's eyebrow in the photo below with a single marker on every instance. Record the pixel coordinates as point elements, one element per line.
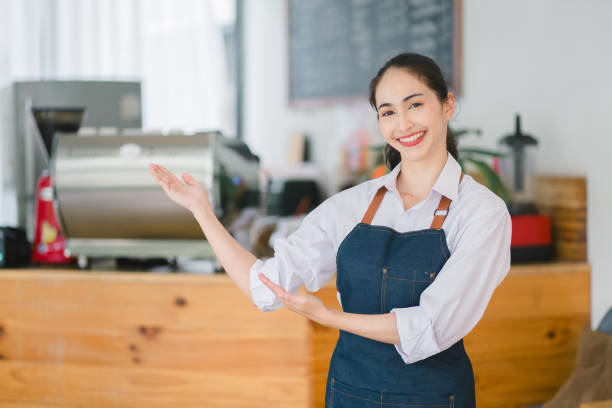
<point>382,105</point>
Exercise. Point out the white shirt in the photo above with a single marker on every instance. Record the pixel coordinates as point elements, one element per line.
<point>478,232</point>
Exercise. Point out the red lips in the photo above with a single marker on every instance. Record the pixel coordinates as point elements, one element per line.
<point>413,142</point>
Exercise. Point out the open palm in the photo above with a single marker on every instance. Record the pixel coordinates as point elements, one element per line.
<point>191,194</point>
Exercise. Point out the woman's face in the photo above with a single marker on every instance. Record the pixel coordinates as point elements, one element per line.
<point>410,115</point>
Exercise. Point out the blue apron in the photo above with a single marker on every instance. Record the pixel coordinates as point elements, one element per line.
<point>380,269</point>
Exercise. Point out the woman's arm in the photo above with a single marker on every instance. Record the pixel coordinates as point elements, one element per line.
<point>449,308</point>
<point>379,327</point>
<point>236,260</point>
<point>192,195</point>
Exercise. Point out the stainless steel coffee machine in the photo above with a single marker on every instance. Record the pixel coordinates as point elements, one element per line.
<point>107,203</point>
<point>110,206</point>
<point>23,158</point>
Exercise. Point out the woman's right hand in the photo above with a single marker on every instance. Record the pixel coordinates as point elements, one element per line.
<point>192,194</point>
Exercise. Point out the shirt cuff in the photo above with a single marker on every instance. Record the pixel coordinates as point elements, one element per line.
<point>417,340</point>
<point>263,297</point>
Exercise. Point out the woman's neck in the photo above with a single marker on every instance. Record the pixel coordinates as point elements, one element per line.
<point>416,178</point>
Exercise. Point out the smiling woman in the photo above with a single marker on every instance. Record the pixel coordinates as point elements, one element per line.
<point>424,75</point>
<point>417,255</point>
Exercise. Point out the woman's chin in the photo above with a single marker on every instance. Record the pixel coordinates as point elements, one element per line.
<point>414,153</point>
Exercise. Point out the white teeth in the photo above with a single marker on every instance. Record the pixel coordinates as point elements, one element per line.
<point>412,138</point>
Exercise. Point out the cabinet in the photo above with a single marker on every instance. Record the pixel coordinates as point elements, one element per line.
<point>105,339</point>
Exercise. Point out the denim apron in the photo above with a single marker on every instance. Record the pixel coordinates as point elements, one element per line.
<point>380,269</point>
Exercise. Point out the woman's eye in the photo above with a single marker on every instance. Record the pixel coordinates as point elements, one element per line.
<point>415,105</point>
<point>387,113</point>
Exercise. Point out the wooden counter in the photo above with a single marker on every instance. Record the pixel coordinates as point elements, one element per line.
<point>106,339</point>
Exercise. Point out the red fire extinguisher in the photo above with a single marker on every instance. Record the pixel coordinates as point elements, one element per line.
<point>49,242</point>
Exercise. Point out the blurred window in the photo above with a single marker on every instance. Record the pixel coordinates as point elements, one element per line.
<point>183,52</point>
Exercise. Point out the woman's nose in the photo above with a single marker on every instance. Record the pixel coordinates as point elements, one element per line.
<point>404,122</point>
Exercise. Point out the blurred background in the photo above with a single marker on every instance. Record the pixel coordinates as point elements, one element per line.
<point>545,60</point>
<point>265,101</point>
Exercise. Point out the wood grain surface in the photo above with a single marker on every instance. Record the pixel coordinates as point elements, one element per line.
<point>71,339</point>
<point>564,200</point>
<point>597,404</point>
<point>135,340</point>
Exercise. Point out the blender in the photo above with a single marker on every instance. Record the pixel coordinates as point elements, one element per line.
<point>531,232</point>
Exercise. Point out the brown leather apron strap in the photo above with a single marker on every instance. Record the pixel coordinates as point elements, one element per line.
<point>442,211</point>
<point>369,215</point>
<point>439,215</point>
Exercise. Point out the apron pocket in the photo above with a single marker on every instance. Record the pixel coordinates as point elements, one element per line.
<point>418,400</point>
<point>344,395</point>
<point>403,288</point>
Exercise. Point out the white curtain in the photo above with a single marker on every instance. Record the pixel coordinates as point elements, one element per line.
<point>175,48</point>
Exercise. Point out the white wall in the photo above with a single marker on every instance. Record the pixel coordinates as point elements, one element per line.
<point>268,119</point>
<point>549,60</point>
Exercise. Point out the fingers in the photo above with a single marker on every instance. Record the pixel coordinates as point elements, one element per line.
<point>303,305</point>
<point>273,286</point>
<point>164,176</point>
<point>161,178</point>
<point>164,173</point>
<point>153,171</point>
<point>278,291</point>
<point>188,179</point>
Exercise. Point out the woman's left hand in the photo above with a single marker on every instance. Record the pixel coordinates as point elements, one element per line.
<point>306,305</point>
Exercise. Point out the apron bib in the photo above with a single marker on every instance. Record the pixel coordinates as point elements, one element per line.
<point>379,269</point>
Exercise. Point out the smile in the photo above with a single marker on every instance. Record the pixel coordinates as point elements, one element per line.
<point>413,139</point>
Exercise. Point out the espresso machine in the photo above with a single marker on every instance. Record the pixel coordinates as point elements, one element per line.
<point>88,136</point>
<point>23,158</point>
<point>110,206</point>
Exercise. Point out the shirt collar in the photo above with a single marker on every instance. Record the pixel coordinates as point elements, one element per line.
<point>447,183</point>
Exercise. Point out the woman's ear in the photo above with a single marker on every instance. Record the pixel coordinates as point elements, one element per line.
<point>449,106</point>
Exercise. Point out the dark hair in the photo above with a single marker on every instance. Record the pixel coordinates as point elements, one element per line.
<point>427,71</point>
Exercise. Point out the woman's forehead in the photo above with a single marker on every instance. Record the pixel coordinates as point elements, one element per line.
<point>396,84</point>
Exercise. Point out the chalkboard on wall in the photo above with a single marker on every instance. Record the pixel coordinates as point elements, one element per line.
<point>337,46</point>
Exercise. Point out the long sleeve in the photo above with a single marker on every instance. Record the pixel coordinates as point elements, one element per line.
<point>456,300</point>
<point>306,257</point>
